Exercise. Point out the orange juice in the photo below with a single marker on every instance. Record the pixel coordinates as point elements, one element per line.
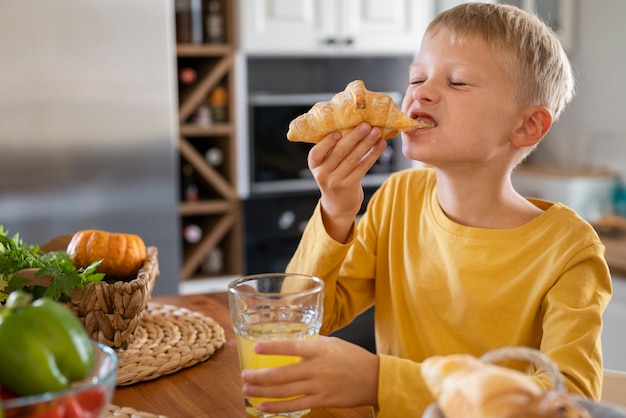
<point>268,331</point>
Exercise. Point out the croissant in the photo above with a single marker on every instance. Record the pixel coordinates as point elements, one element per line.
<point>467,387</point>
<point>346,110</point>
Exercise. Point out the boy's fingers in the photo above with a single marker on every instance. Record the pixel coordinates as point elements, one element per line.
<point>301,348</point>
<point>323,149</point>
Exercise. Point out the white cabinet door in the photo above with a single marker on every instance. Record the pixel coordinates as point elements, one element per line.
<point>320,27</point>
<point>392,26</point>
<point>285,26</point>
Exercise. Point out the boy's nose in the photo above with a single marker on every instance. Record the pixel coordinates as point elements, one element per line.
<point>426,93</point>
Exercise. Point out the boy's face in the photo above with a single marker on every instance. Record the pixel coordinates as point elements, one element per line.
<point>464,89</point>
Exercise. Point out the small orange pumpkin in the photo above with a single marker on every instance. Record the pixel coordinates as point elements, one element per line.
<point>122,255</point>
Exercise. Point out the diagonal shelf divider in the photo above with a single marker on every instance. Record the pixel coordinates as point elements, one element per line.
<point>217,232</point>
<point>205,84</point>
<point>212,176</point>
<point>217,211</point>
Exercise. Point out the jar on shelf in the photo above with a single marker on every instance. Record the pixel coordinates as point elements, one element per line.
<point>218,101</point>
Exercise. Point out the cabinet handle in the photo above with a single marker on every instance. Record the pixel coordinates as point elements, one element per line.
<point>348,41</point>
<point>330,41</point>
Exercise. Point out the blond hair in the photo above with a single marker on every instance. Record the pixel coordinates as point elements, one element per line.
<point>535,57</point>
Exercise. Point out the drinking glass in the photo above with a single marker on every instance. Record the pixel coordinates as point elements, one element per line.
<point>273,306</point>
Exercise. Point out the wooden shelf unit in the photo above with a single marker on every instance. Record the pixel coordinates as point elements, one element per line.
<point>217,211</point>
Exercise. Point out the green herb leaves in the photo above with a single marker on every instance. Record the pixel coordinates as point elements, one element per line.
<point>15,255</point>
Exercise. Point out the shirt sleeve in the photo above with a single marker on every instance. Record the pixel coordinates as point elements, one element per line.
<point>320,255</point>
<point>401,388</point>
<point>572,322</point>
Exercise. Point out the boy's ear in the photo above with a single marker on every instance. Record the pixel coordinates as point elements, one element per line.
<point>534,127</point>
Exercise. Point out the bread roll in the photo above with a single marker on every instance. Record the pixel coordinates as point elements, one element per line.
<point>346,110</point>
<point>466,387</point>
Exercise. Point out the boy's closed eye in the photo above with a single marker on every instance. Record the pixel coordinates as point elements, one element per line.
<point>457,83</point>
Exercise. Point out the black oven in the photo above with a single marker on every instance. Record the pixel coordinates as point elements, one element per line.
<point>278,165</point>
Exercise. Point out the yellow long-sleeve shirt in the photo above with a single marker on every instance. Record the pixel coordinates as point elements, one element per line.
<point>441,288</point>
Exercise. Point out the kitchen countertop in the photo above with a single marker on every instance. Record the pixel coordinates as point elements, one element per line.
<point>615,253</point>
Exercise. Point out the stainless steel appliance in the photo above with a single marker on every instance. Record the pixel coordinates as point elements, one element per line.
<point>88,122</point>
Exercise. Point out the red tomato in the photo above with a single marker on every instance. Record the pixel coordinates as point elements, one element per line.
<point>87,404</point>
<point>92,400</point>
<point>74,410</point>
<point>55,410</point>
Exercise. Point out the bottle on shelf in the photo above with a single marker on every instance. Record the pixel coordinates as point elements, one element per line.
<point>214,156</point>
<point>190,188</point>
<point>187,75</point>
<point>213,263</point>
<point>192,233</point>
<point>214,23</point>
<point>197,34</point>
<point>183,21</point>
<point>218,100</point>
<point>203,116</point>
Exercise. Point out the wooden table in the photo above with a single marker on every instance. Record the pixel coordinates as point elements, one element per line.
<point>615,253</point>
<point>210,389</point>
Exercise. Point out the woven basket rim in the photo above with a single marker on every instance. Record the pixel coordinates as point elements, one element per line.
<point>148,272</point>
<point>111,311</point>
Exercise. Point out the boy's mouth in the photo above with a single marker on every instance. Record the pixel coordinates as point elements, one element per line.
<point>423,121</point>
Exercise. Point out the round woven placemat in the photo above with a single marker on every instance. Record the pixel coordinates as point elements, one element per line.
<point>167,339</point>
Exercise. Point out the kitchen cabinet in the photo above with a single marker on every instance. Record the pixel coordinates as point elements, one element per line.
<point>209,207</point>
<point>560,15</point>
<point>320,27</point>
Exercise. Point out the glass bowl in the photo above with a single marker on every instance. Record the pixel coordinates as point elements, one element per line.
<point>87,398</point>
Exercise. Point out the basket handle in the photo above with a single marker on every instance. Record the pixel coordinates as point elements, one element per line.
<point>532,356</point>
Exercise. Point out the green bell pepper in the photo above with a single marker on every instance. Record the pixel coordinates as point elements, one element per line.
<point>43,345</point>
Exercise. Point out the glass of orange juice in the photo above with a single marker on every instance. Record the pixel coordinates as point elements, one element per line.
<point>273,306</point>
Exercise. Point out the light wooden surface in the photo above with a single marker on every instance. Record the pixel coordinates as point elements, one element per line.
<point>614,387</point>
<point>615,254</point>
<point>209,389</point>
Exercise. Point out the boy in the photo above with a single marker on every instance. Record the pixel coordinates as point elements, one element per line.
<point>454,259</point>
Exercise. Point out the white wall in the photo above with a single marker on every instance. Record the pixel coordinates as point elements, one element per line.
<point>592,130</point>
<point>613,336</point>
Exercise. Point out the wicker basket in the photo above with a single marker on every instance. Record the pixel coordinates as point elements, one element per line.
<point>595,409</point>
<point>111,311</point>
